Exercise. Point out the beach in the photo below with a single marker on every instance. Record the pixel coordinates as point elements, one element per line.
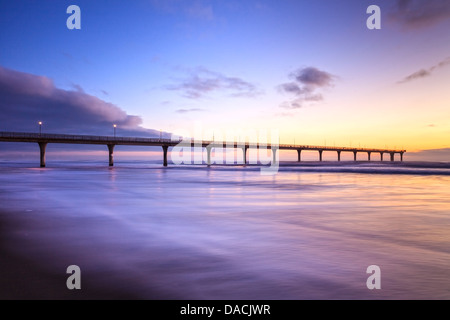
<point>141,231</point>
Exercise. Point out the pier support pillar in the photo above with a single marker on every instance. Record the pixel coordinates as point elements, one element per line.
<point>392,156</point>
<point>339,155</point>
<point>244,154</point>
<point>111,151</point>
<point>401,156</point>
<point>320,155</point>
<point>208,156</point>
<point>299,154</point>
<point>381,156</point>
<point>165,155</point>
<point>42,147</point>
<point>354,155</point>
<point>368,155</point>
<point>274,155</point>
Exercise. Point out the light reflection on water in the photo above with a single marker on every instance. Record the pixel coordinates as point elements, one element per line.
<point>230,233</point>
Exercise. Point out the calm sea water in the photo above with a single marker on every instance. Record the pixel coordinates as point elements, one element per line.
<point>308,232</point>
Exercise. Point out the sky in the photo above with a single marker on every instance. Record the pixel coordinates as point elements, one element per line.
<point>312,70</point>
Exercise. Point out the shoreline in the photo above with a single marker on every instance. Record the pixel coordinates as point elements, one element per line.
<point>360,167</point>
<point>289,163</point>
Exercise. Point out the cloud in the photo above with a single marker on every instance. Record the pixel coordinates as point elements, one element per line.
<point>292,87</point>
<point>202,81</point>
<point>422,73</point>
<point>189,110</point>
<point>305,85</point>
<point>77,87</point>
<point>27,99</point>
<point>418,74</point>
<point>313,77</point>
<point>415,14</point>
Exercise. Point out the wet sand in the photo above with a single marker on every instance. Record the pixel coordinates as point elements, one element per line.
<point>23,278</point>
<point>225,233</point>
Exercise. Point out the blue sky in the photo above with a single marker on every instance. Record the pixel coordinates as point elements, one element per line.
<point>239,64</point>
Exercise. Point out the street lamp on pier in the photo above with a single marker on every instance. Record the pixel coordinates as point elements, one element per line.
<point>115,126</point>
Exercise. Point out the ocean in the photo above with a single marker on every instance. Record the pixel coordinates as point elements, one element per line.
<point>141,231</point>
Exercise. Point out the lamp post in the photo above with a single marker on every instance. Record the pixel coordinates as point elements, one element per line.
<point>40,127</point>
<point>115,126</point>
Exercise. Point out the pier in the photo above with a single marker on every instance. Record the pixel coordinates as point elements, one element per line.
<point>111,141</point>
